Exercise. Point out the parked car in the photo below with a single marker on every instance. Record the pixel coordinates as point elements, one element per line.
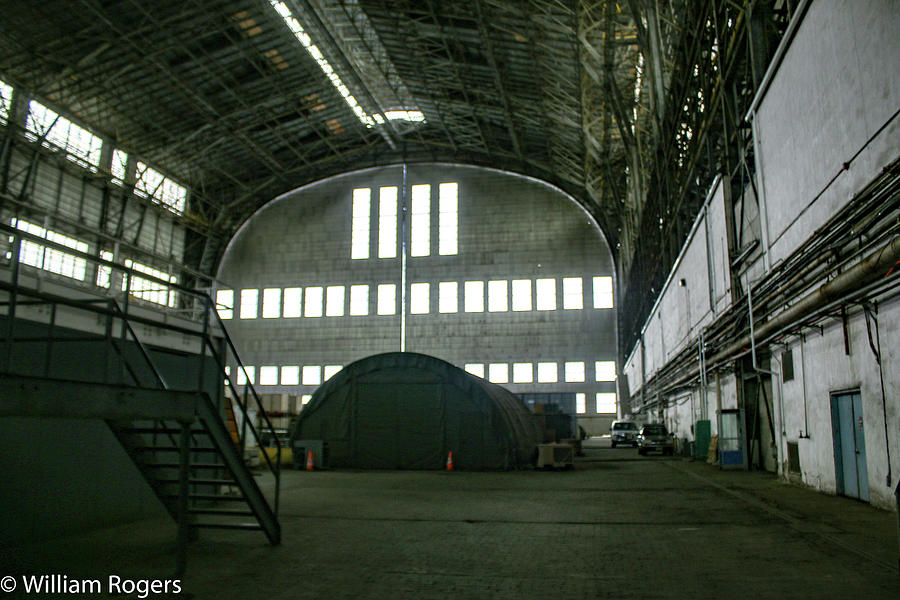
<point>655,436</point>
<point>623,432</point>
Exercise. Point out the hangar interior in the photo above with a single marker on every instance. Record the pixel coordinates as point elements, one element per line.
<point>660,210</point>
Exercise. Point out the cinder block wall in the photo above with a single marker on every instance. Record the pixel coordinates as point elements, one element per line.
<point>509,228</point>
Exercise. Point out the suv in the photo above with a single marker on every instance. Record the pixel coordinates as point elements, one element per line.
<point>655,436</point>
<point>623,432</point>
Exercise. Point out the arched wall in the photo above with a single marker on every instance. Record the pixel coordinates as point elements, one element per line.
<point>510,227</point>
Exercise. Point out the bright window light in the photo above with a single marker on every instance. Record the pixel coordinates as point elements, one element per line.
<point>305,398</point>
<point>79,144</point>
<point>580,404</point>
<point>574,372</point>
<point>603,292</point>
<point>330,370</point>
<point>160,189</point>
<point>546,294</point>
<point>359,300</point>
<point>249,307</point>
<point>313,302</point>
<point>361,223</point>
<point>572,293</point>
<point>271,308</point>
<point>268,376</point>
<point>151,291</point>
<point>521,294</point>
<point>387,299</point>
<point>414,116</point>
<point>448,219</point>
<point>474,301</point>
<point>546,372</point>
<point>312,375</point>
<point>498,373</point>
<point>290,375</point>
<point>293,298</point>
<point>497,296</point>
<point>50,259</point>
<point>119,166</point>
<point>334,301</point>
<point>418,299</point>
<point>476,369</point>
<point>246,374</point>
<point>420,222</point>
<point>224,304</point>
<point>606,403</point>
<point>6,91</point>
<point>448,301</point>
<point>387,222</point>
<point>104,273</point>
<point>523,373</point>
<point>605,370</point>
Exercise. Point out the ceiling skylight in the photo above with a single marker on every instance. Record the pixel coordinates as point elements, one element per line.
<point>296,28</point>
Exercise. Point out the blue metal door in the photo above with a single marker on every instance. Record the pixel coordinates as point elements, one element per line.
<point>850,467</point>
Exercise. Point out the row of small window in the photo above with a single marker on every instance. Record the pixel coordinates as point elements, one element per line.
<point>75,267</point>
<point>329,301</point>
<point>84,148</point>
<point>524,372</point>
<point>420,221</point>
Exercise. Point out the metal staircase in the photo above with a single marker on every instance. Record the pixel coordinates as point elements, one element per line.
<point>184,440</point>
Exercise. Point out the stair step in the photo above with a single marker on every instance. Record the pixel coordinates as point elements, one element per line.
<point>221,511</point>
<point>216,497</point>
<point>170,449</point>
<point>150,430</point>
<point>175,465</point>
<point>197,481</point>
<point>253,526</point>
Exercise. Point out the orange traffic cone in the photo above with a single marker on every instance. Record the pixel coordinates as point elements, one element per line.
<point>450,461</point>
<point>310,466</point>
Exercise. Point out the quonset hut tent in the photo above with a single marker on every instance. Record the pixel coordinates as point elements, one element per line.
<point>403,410</point>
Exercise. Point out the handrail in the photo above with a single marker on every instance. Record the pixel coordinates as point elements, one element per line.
<point>114,310</point>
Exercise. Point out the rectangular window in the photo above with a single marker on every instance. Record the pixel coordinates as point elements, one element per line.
<point>5,101</point>
<point>523,373</point>
<point>246,374</point>
<point>572,293</point>
<point>546,372</point>
<point>104,273</point>
<point>474,296</point>
<point>249,300</point>
<point>359,300</point>
<point>152,184</point>
<point>574,372</point>
<point>580,404</point>
<point>361,223</point>
<point>224,303</point>
<point>418,299</point>
<point>313,302</point>
<point>476,369</point>
<point>80,145</point>
<point>293,298</point>
<point>603,292</point>
<point>329,371</point>
<point>387,222</point>
<point>271,308</point>
<point>606,403</point>
<point>50,259</point>
<point>420,222</point>
<point>119,166</point>
<point>521,294</point>
<point>448,219</point>
<point>497,296</point>
<point>447,297</point>
<point>498,373</point>
<point>312,375</point>
<point>290,375</point>
<point>148,290</point>
<point>387,299</point>
<point>334,301</point>
<point>305,398</point>
<point>268,376</point>
<point>605,370</point>
<point>546,294</point>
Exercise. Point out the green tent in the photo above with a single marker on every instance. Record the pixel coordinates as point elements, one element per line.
<point>403,410</point>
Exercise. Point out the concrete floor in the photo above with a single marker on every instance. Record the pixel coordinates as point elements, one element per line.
<point>618,526</point>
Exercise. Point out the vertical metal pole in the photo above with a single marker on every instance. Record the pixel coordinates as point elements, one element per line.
<point>403,261</point>
<point>49,357</point>
<point>183,479</point>
<point>11,313</point>
<point>202,355</point>
<point>245,416</point>
<point>108,338</point>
